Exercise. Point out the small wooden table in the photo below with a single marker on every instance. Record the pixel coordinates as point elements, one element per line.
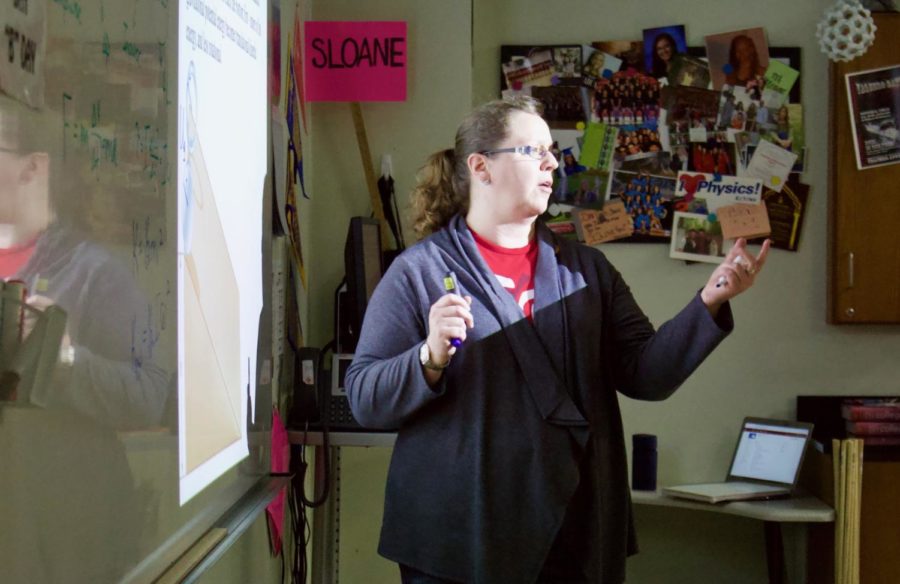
<point>800,508</point>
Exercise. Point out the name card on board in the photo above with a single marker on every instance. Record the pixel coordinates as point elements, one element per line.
<point>606,224</point>
<point>743,220</point>
<point>355,61</point>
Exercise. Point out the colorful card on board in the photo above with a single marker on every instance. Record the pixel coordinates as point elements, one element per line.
<point>780,78</point>
<point>717,191</point>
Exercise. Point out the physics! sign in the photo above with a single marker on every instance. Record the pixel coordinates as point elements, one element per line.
<point>355,61</point>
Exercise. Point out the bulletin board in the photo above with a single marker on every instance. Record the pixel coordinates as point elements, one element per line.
<point>625,130</point>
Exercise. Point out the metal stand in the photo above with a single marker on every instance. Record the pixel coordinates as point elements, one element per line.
<point>326,540</point>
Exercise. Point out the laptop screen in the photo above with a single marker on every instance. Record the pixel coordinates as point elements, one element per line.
<point>769,451</point>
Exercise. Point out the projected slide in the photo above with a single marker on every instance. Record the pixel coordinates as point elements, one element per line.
<point>221,171</point>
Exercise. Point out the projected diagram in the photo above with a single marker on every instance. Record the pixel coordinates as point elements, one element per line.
<point>212,357</point>
<point>211,411</point>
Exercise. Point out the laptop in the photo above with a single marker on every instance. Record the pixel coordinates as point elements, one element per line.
<point>766,463</point>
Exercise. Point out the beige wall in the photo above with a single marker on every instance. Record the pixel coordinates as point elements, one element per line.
<point>781,346</point>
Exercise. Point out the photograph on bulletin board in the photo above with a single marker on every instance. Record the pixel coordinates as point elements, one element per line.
<point>696,238</point>
<point>738,58</point>
<point>661,46</point>
<point>550,74</point>
<point>630,53</point>
<point>785,56</point>
<point>648,202</point>
<point>524,66</point>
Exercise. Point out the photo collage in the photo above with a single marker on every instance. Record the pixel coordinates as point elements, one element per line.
<point>671,133</point>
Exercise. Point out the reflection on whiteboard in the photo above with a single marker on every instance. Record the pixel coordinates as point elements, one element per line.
<point>222,121</point>
<point>22,69</point>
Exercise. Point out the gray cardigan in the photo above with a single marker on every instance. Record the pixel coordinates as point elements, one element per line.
<point>486,464</point>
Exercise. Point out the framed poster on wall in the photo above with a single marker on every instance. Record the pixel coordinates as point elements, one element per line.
<point>874,100</point>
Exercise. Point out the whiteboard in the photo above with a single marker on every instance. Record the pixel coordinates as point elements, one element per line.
<point>90,440</point>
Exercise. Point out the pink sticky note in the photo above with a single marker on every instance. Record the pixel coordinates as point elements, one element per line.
<point>355,61</point>
<point>281,462</point>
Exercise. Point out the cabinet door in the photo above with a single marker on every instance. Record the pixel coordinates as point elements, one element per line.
<point>864,205</point>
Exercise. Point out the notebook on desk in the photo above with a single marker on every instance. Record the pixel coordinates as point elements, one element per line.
<point>766,463</point>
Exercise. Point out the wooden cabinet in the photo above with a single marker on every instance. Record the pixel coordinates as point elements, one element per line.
<point>864,205</point>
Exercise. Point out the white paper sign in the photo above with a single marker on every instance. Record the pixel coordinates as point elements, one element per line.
<point>24,25</point>
<point>771,164</point>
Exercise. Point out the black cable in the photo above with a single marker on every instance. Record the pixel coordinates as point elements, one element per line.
<point>389,209</point>
<point>298,519</point>
<point>298,570</point>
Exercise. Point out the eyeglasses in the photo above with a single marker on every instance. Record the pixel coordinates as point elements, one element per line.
<point>535,152</point>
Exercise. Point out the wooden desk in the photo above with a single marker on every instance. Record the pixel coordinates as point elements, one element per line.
<point>802,508</point>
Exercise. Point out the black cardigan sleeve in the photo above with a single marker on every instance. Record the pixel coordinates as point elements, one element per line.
<point>653,364</point>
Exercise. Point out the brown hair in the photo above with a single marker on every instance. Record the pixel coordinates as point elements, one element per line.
<point>732,53</point>
<point>442,185</point>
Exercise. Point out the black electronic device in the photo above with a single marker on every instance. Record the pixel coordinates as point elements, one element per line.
<point>320,398</point>
<point>322,403</point>
<point>643,462</point>
<point>363,267</point>
<point>308,397</point>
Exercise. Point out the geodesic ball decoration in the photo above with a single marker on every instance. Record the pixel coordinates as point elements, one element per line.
<point>846,31</point>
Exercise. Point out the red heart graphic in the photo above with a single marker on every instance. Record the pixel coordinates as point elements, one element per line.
<point>690,184</point>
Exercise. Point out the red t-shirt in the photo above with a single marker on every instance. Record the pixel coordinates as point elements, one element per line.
<point>514,269</point>
<point>13,258</point>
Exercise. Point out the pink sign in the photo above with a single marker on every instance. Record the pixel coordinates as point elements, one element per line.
<point>355,61</point>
